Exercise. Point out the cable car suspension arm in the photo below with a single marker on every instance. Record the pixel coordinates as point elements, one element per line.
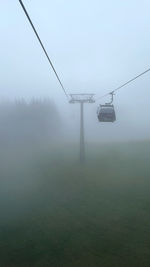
<point>112,98</point>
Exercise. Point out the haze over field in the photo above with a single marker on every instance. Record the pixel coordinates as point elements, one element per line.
<point>94,45</point>
<point>55,211</point>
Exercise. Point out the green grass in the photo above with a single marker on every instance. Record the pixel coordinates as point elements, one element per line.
<point>55,212</point>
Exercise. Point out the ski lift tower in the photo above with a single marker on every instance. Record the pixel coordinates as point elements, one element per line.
<point>82,99</point>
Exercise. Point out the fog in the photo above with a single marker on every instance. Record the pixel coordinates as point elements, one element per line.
<point>94,46</point>
<point>54,209</point>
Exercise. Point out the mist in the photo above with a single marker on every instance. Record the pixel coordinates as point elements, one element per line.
<point>74,192</point>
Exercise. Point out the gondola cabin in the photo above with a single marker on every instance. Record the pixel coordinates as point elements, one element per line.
<point>106,113</point>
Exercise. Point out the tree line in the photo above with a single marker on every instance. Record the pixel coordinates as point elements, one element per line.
<point>28,123</point>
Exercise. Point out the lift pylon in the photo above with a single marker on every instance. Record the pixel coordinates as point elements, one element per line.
<point>82,99</point>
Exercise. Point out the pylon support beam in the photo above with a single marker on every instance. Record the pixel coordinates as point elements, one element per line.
<point>82,99</point>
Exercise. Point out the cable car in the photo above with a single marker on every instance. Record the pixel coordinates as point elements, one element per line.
<point>106,113</point>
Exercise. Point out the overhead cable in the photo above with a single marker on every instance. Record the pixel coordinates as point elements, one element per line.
<point>123,85</point>
<point>37,35</point>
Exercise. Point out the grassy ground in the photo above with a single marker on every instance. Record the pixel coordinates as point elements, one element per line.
<point>55,212</point>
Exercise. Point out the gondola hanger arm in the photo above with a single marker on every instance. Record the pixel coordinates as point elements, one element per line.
<point>112,98</point>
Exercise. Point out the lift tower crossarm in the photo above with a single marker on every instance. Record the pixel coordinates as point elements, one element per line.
<point>84,98</point>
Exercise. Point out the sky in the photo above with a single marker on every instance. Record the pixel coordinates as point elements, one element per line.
<point>94,45</point>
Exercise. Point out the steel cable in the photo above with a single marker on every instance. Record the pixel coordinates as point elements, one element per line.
<point>51,64</point>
